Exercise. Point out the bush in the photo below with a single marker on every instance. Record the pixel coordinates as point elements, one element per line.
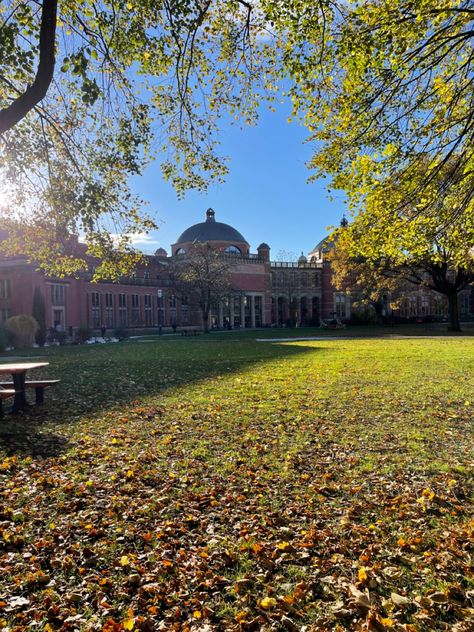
<point>121,333</point>
<point>22,329</point>
<point>83,334</point>
<point>4,338</point>
<point>61,337</point>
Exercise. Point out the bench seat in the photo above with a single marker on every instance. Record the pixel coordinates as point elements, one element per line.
<point>38,385</point>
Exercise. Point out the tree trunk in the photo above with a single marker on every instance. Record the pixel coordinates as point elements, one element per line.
<point>454,323</point>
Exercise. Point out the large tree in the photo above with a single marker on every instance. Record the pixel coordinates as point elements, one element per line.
<point>85,86</point>
<point>432,248</point>
<point>203,276</point>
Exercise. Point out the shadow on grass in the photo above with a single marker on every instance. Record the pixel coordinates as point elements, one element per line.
<point>96,378</point>
<point>18,435</point>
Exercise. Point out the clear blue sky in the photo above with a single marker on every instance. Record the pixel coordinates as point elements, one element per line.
<point>266,195</point>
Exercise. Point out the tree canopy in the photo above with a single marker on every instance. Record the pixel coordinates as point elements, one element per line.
<point>89,98</point>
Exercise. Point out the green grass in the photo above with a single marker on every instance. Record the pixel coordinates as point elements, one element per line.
<point>222,481</point>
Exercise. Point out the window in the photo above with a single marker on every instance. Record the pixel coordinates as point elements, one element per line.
<point>233,250</point>
<point>95,302</point>
<point>123,318</point>
<point>4,315</point>
<point>4,288</point>
<point>58,319</point>
<point>57,294</point>
<point>340,305</point>
<point>148,310</point>
<point>181,251</point>
<point>146,274</point>
<point>109,310</point>
<point>135,309</point>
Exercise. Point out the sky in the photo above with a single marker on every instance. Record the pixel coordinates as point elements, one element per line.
<point>266,195</point>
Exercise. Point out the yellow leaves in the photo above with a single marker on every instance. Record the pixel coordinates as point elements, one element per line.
<point>283,546</point>
<point>362,575</point>
<point>124,560</point>
<point>268,602</point>
<point>129,622</point>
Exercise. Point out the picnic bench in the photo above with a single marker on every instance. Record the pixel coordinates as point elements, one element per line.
<point>190,331</point>
<point>18,386</point>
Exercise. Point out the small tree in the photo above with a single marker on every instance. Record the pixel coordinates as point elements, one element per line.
<point>204,277</point>
<point>22,329</point>
<point>39,314</point>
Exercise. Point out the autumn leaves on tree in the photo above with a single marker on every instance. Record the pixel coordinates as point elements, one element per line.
<point>379,88</point>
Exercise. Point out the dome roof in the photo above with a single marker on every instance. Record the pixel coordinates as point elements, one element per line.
<point>302,259</point>
<point>161,252</point>
<point>210,230</point>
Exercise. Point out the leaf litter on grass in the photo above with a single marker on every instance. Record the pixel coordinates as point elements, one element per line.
<point>290,495</point>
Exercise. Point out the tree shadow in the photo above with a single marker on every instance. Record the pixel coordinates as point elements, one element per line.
<point>18,436</point>
<point>95,379</point>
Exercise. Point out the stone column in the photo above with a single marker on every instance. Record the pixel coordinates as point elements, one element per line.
<point>252,311</point>
<point>242,311</point>
<point>221,315</point>
<point>231,310</point>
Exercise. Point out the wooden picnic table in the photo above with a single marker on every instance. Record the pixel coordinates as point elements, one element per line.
<point>18,372</point>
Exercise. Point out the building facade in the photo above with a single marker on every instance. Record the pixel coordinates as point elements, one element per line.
<point>265,292</point>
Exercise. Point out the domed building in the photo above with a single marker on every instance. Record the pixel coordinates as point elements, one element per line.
<point>221,236</point>
<point>260,292</point>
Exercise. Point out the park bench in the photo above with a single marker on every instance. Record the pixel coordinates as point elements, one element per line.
<point>4,394</point>
<point>190,331</point>
<point>38,385</point>
<point>333,323</point>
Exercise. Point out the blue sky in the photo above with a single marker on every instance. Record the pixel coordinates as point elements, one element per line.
<point>266,195</point>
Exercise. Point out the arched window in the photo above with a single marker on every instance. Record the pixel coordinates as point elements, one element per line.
<point>233,250</point>
<point>181,251</point>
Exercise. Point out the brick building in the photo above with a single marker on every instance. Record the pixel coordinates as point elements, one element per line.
<point>267,293</point>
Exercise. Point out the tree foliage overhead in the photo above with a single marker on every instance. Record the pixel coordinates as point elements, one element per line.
<point>393,81</point>
<point>87,100</point>
<point>375,83</point>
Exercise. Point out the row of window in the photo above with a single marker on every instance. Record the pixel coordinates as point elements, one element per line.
<point>296,279</point>
<point>140,313</point>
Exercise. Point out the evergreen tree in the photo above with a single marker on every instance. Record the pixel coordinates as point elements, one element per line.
<point>39,314</point>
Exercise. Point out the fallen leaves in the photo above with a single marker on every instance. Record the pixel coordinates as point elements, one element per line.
<point>270,501</point>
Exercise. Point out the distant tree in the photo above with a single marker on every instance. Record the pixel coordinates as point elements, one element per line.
<point>39,314</point>
<point>369,285</point>
<point>203,275</point>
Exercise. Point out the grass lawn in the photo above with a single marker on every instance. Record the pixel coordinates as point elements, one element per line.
<point>219,483</point>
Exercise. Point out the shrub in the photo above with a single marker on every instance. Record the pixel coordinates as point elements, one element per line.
<point>121,333</point>
<point>83,334</point>
<point>22,329</point>
<point>61,337</point>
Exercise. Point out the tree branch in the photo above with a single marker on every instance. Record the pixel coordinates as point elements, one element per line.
<point>34,93</point>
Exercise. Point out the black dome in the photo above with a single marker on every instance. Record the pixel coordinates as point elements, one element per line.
<point>210,230</point>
